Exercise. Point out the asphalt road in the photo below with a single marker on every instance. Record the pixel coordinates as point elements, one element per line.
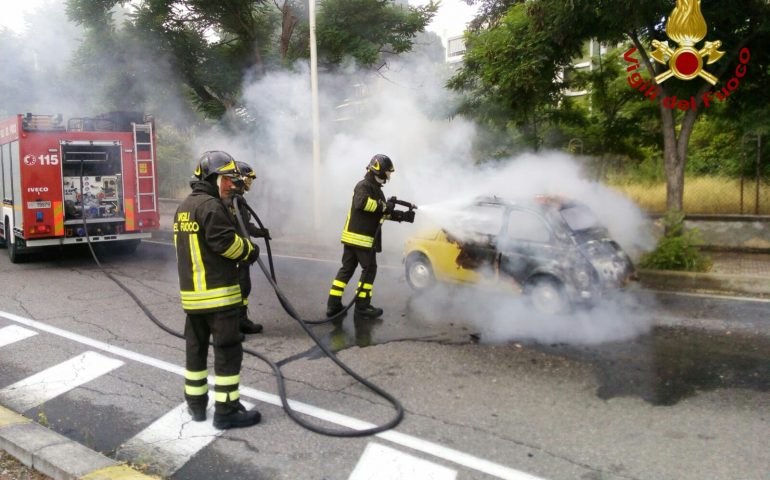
<point>646,386</point>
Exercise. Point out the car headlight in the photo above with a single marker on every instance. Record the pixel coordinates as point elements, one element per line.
<point>583,279</point>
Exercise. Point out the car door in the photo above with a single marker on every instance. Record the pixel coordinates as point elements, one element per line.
<point>474,232</point>
<point>527,245</point>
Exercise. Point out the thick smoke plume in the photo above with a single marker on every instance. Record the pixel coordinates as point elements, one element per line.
<point>401,111</point>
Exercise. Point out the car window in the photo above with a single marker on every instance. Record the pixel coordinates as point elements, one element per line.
<point>486,219</point>
<point>579,217</point>
<point>528,227</point>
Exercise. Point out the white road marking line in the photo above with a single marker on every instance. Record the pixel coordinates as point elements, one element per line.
<point>61,378</point>
<point>295,257</point>
<point>170,442</point>
<point>434,449</point>
<point>14,333</point>
<point>384,463</point>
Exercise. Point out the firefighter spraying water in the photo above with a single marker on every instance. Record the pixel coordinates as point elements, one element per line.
<point>361,237</point>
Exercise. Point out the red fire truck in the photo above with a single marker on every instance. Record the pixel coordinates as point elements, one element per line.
<point>92,176</point>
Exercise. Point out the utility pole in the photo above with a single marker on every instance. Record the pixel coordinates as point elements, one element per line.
<point>315,119</point>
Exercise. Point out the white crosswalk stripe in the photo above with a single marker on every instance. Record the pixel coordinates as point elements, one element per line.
<point>170,442</point>
<point>384,463</point>
<point>54,381</point>
<point>14,333</point>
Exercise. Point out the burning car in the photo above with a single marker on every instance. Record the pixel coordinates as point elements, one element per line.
<point>552,249</point>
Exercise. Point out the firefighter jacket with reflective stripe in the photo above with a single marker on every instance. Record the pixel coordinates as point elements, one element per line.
<point>208,250</point>
<point>366,213</point>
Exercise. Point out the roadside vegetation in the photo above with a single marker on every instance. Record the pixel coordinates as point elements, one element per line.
<point>702,195</point>
<point>678,248</point>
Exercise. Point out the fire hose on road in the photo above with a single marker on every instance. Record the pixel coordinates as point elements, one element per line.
<point>280,380</point>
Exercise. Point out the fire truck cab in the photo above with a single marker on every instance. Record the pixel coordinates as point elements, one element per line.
<point>92,178</point>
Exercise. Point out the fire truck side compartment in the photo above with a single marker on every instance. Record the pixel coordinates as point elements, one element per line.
<point>100,196</point>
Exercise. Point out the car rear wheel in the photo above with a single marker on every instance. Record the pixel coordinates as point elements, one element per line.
<point>546,295</point>
<point>419,272</point>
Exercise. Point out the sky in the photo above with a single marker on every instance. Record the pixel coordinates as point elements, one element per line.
<point>449,21</point>
<point>12,12</point>
<point>451,18</point>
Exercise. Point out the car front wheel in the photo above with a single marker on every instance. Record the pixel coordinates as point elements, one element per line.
<point>419,272</point>
<point>546,294</point>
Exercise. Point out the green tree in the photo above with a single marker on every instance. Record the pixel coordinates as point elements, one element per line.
<point>613,127</point>
<point>366,30</point>
<point>518,52</point>
<point>212,46</point>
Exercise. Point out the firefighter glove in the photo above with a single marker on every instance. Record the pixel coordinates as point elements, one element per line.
<point>397,216</point>
<point>408,216</point>
<point>260,233</point>
<point>390,205</point>
<point>254,255</point>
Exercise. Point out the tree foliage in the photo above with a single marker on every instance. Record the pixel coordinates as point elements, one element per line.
<point>519,55</point>
<point>364,30</point>
<point>213,46</point>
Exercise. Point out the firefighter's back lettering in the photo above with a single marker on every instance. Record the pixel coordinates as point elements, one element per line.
<point>183,223</point>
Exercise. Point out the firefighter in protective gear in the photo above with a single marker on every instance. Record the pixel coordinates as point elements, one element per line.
<point>361,238</point>
<point>208,250</point>
<point>239,187</point>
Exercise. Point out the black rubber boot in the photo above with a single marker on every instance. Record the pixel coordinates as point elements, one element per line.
<point>248,327</point>
<point>197,412</point>
<point>334,306</point>
<point>237,417</point>
<point>365,309</point>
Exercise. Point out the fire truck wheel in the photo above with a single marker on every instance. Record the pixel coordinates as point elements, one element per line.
<point>13,250</point>
<point>128,247</point>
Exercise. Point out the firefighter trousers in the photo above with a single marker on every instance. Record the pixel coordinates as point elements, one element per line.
<point>222,327</point>
<point>351,258</point>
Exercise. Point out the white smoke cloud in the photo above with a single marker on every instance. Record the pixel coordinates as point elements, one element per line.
<point>500,317</point>
<point>401,114</point>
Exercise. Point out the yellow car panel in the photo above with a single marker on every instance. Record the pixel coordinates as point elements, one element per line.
<point>443,258</point>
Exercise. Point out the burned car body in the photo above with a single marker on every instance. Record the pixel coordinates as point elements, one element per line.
<point>552,249</point>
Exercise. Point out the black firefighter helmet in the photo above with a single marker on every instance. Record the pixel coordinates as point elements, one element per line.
<point>381,166</point>
<point>216,162</point>
<point>246,170</point>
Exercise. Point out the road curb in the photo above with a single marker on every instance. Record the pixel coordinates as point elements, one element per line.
<point>709,282</point>
<point>55,455</point>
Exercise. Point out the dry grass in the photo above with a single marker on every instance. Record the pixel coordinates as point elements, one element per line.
<point>714,195</point>
<point>12,469</point>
